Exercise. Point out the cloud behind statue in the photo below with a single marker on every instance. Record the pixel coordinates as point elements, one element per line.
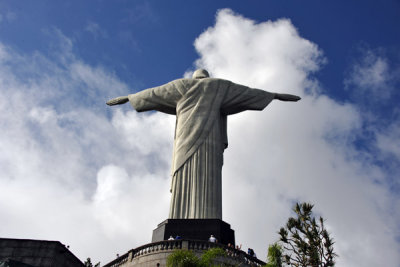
<point>201,105</point>
<point>111,166</point>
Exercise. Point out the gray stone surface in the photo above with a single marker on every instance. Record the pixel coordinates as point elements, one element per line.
<point>156,254</point>
<point>201,106</point>
<point>39,253</point>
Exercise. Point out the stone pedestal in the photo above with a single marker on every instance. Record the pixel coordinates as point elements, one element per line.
<point>195,229</point>
<point>156,254</point>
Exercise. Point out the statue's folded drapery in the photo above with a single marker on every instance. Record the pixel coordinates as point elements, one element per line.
<point>201,107</point>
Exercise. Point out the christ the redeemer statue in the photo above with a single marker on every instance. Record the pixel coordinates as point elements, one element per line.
<point>201,106</point>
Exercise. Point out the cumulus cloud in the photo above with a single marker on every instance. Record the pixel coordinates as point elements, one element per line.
<point>370,76</point>
<point>390,141</point>
<point>372,81</point>
<point>295,152</point>
<point>235,39</point>
<point>97,178</point>
<point>69,163</point>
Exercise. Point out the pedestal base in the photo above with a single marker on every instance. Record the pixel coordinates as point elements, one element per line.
<point>197,229</point>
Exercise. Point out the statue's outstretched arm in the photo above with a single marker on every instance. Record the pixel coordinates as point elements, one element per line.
<point>117,101</point>
<point>287,97</point>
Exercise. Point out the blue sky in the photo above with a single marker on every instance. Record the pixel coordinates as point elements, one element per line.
<point>97,178</point>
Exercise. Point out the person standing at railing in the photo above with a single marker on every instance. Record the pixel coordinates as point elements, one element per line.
<point>212,239</point>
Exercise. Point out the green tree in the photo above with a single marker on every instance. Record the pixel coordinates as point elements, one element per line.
<point>88,263</point>
<point>274,258</point>
<point>305,241</point>
<point>182,258</point>
<point>209,256</point>
<point>187,258</point>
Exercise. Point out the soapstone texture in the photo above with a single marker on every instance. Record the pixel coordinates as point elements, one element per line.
<point>201,107</point>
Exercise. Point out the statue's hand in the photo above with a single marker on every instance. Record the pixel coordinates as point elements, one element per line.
<point>287,97</point>
<point>118,101</point>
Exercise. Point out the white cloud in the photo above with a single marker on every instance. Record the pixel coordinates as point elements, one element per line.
<point>235,39</point>
<point>96,178</point>
<point>121,200</point>
<point>95,30</point>
<point>389,140</point>
<point>61,148</point>
<point>300,151</point>
<point>370,76</point>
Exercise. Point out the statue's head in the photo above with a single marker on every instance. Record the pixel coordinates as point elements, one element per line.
<point>200,74</point>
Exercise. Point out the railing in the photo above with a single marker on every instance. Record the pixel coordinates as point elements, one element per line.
<point>118,261</point>
<point>166,245</point>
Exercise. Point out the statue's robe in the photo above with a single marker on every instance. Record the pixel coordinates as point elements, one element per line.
<point>201,107</point>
